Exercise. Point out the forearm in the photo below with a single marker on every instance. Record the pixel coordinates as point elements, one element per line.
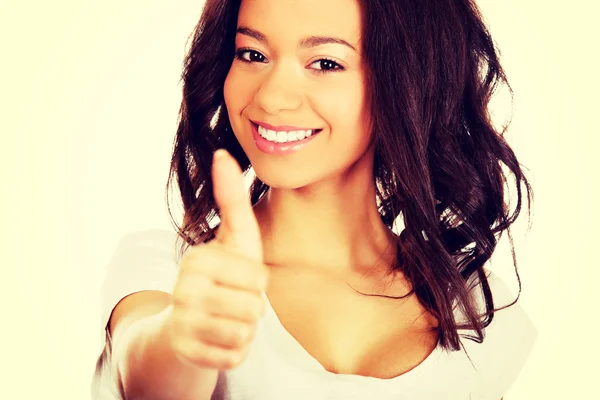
<point>148,369</point>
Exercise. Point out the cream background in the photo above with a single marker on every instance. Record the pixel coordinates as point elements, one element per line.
<point>88,104</point>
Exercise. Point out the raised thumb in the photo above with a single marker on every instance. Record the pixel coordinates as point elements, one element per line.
<point>238,230</point>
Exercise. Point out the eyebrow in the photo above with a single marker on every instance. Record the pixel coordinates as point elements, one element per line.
<point>309,41</point>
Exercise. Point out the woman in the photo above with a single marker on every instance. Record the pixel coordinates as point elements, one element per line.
<point>351,113</point>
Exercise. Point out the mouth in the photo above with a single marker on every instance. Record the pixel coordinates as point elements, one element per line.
<point>287,136</point>
<point>283,142</point>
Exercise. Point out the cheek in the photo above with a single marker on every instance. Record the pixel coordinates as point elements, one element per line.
<point>228,94</point>
<point>235,92</point>
<point>346,112</point>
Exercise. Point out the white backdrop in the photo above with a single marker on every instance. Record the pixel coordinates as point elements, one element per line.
<point>89,94</point>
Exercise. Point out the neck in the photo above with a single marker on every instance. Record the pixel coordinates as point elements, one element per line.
<point>332,224</point>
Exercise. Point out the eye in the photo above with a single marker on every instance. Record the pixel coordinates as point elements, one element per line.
<point>327,65</point>
<point>250,56</point>
<point>253,56</point>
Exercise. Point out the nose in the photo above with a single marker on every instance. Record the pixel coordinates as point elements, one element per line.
<point>279,90</point>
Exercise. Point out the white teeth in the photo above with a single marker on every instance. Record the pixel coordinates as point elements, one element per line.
<point>282,137</point>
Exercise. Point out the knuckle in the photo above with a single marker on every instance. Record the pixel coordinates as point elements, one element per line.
<point>179,297</point>
<point>232,360</point>
<point>188,260</point>
<point>205,330</point>
<point>208,255</point>
<point>184,349</point>
<point>211,302</point>
<point>201,360</point>
<point>199,354</point>
<point>182,316</point>
<point>188,289</point>
<point>200,258</point>
<point>238,336</point>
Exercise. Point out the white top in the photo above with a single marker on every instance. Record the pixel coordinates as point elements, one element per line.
<point>278,367</point>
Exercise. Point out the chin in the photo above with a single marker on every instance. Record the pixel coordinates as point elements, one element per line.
<point>282,178</point>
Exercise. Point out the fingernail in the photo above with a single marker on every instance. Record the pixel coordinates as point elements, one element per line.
<point>220,153</point>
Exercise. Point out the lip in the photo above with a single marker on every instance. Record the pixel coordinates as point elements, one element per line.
<point>280,128</point>
<point>279,148</point>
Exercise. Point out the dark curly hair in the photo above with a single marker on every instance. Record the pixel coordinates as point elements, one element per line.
<point>438,158</point>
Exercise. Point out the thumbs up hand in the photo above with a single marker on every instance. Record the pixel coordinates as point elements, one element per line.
<point>217,298</point>
<point>239,230</point>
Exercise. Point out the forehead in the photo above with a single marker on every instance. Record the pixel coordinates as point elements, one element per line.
<point>294,19</point>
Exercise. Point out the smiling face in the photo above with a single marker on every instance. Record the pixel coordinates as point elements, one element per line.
<point>298,64</point>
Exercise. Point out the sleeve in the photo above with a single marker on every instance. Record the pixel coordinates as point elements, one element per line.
<point>143,260</point>
<point>508,342</point>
